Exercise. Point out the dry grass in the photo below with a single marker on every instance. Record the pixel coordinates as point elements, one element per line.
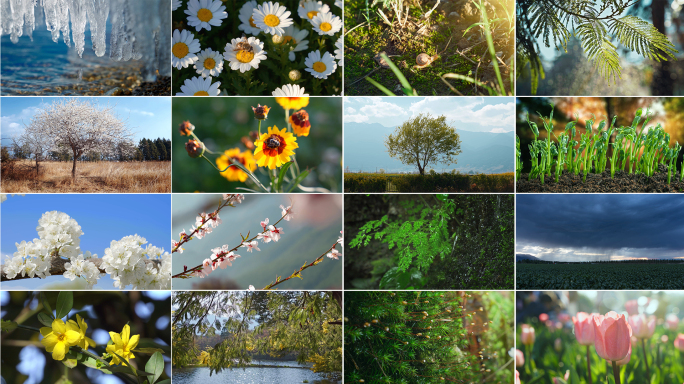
<point>108,177</point>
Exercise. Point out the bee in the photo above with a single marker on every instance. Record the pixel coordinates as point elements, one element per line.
<point>272,142</point>
<point>243,45</point>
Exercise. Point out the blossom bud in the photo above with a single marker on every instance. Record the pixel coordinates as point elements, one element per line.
<point>195,148</point>
<point>260,112</point>
<point>277,39</point>
<point>300,123</point>
<point>527,335</point>
<point>294,75</point>
<point>186,128</point>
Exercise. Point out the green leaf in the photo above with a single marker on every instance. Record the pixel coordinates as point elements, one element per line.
<point>45,319</point>
<point>380,87</point>
<point>283,171</point>
<point>148,351</point>
<point>299,178</point>
<point>70,363</point>
<point>8,325</point>
<point>45,303</point>
<point>155,365</point>
<point>166,381</point>
<point>65,302</point>
<point>96,364</point>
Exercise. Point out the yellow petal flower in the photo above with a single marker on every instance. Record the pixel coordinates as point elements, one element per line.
<point>124,343</point>
<point>59,338</point>
<point>274,148</point>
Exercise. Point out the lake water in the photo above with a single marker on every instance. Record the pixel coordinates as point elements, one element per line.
<point>200,375</point>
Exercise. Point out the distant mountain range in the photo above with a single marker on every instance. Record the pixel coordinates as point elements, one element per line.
<point>481,152</point>
<point>523,256</point>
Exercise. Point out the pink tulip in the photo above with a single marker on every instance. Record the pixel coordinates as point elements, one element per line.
<point>564,318</point>
<point>519,358</point>
<point>584,328</point>
<point>672,321</point>
<point>679,342</point>
<point>556,380</point>
<point>627,358</point>
<point>632,307</point>
<point>642,327</point>
<point>543,317</point>
<point>527,335</point>
<point>613,336</point>
<point>517,377</point>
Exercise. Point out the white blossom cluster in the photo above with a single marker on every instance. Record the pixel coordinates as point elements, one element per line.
<point>127,262</point>
<point>59,238</point>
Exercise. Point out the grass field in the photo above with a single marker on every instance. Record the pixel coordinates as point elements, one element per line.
<point>437,182</point>
<point>600,276</point>
<point>91,177</point>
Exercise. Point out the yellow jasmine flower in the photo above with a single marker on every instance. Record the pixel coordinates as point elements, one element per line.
<point>81,327</point>
<point>123,345</point>
<point>59,338</point>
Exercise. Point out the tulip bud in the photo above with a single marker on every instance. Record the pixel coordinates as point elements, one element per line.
<point>679,342</point>
<point>612,336</point>
<point>517,377</point>
<point>527,335</point>
<point>672,321</point>
<point>195,148</point>
<point>642,327</point>
<point>543,317</point>
<point>295,75</point>
<point>584,328</point>
<point>632,307</point>
<point>519,358</point>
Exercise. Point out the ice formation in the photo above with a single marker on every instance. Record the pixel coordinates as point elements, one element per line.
<point>140,28</point>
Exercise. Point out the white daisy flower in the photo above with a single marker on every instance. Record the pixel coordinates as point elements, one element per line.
<point>339,4</point>
<point>175,4</point>
<point>244,53</point>
<point>320,67</point>
<point>272,18</point>
<point>198,86</point>
<point>339,52</point>
<point>205,13</point>
<point>295,36</point>
<point>290,90</point>
<point>209,63</point>
<point>308,9</point>
<point>245,17</point>
<point>184,46</point>
<point>326,24</point>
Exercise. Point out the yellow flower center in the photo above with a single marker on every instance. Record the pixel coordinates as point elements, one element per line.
<point>287,39</point>
<point>319,66</point>
<point>251,22</point>
<point>325,27</point>
<point>244,56</point>
<point>204,15</point>
<point>201,93</point>
<point>180,50</point>
<point>209,63</point>
<point>61,337</point>
<point>271,20</point>
<point>311,14</point>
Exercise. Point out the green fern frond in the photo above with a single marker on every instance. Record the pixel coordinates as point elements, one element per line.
<point>642,37</point>
<point>546,23</point>
<point>599,49</point>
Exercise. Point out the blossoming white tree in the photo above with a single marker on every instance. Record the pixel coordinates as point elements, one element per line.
<point>82,126</point>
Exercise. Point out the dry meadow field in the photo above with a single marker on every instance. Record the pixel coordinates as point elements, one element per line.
<point>91,177</point>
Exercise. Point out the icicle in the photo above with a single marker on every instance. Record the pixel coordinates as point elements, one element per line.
<point>98,11</point>
<point>77,10</point>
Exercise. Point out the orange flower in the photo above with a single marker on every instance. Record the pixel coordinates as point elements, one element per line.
<point>234,173</point>
<point>274,148</point>
<point>186,128</point>
<point>292,102</point>
<point>260,112</point>
<point>300,123</point>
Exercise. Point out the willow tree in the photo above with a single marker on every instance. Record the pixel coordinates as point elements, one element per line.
<point>81,126</point>
<point>424,140</point>
<point>304,324</point>
<point>596,23</point>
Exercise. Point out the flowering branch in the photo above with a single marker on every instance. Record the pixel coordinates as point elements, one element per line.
<point>58,267</point>
<point>331,252</point>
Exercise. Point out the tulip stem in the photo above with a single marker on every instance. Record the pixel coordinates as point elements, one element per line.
<point>648,371</point>
<point>616,372</point>
<point>589,364</point>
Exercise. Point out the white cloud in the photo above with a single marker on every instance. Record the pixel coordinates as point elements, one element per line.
<point>499,130</point>
<point>136,111</point>
<point>469,110</point>
<point>355,118</point>
<point>381,108</point>
<point>350,110</point>
<point>13,125</point>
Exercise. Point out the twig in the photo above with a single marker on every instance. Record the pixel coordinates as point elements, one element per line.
<point>297,273</point>
<point>494,373</point>
<point>430,11</point>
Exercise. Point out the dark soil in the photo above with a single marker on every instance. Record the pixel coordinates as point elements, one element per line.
<point>624,182</point>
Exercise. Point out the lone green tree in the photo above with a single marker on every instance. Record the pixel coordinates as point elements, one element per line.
<point>596,23</point>
<point>424,140</point>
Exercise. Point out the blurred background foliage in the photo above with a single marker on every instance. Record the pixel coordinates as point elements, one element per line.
<point>223,122</point>
<point>314,228</point>
<point>24,359</point>
<point>482,256</point>
<point>666,111</point>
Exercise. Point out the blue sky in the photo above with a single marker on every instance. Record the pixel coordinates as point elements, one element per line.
<point>102,217</point>
<point>148,117</point>
<point>478,114</point>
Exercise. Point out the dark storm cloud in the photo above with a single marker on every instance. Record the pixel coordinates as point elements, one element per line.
<point>602,222</point>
